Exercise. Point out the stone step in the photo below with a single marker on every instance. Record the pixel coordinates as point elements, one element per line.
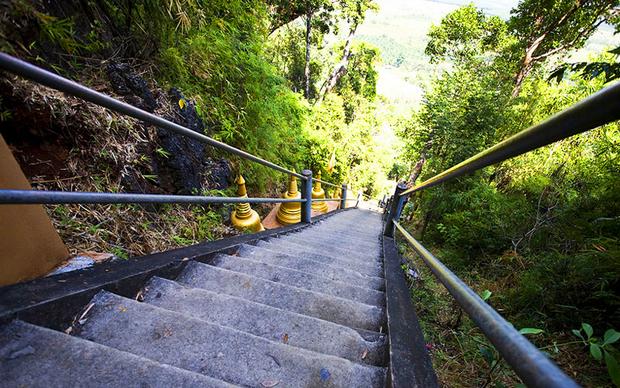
<point>299,279</point>
<point>268,322</point>
<point>359,225</point>
<point>305,263</point>
<point>33,356</point>
<point>318,305</point>
<point>367,266</point>
<point>335,239</point>
<point>344,230</point>
<point>216,351</point>
<point>345,248</point>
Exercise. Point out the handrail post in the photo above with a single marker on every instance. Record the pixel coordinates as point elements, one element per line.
<point>343,199</point>
<point>395,209</point>
<point>306,193</point>
<point>359,195</point>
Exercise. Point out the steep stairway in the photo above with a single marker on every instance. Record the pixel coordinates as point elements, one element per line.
<point>304,309</point>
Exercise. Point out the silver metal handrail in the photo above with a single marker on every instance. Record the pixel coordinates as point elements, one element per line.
<point>598,109</point>
<point>325,183</point>
<point>61,197</point>
<point>54,81</point>
<point>530,364</point>
<point>527,361</point>
<point>47,78</point>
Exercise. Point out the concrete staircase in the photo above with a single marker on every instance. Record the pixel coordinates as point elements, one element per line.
<point>306,309</point>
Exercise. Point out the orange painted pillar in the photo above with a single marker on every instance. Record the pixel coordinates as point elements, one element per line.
<point>29,245</point>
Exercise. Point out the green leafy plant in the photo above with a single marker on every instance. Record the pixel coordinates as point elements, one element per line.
<point>120,253</point>
<point>531,330</point>
<point>601,348</point>
<point>162,152</point>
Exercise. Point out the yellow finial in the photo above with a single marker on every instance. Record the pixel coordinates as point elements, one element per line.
<point>241,190</point>
<point>243,217</point>
<point>290,212</point>
<point>319,193</point>
<point>292,185</point>
<point>317,184</point>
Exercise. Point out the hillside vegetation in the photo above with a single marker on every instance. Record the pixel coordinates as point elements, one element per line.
<point>537,235</point>
<point>218,68</point>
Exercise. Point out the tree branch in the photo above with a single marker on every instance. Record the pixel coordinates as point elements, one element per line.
<point>569,44</point>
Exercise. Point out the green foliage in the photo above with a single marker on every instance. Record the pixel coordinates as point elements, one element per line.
<point>540,230</point>
<point>565,22</point>
<point>601,348</point>
<point>120,253</point>
<point>221,63</point>
<point>464,35</point>
<point>358,160</point>
<point>360,82</point>
<point>286,48</point>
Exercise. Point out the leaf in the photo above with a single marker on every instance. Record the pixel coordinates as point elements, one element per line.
<point>596,352</point>
<point>364,354</point>
<point>610,337</point>
<point>270,383</point>
<point>531,330</point>
<point>285,338</point>
<point>612,368</point>
<point>577,333</point>
<point>587,329</point>
<point>615,51</point>
<point>486,294</point>
<point>182,103</point>
<point>557,74</point>
<point>487,354</point>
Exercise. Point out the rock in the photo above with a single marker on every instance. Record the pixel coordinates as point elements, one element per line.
<point>126,82</point>
<point>186,169</point>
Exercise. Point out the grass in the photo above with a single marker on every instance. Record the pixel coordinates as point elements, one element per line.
<point>86,148</point>
<point>462,356</point>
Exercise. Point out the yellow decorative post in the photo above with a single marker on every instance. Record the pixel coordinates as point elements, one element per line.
<point>290,212</point>
<point>243,217</point>
<point>319,193</point>
<point>338,194</point>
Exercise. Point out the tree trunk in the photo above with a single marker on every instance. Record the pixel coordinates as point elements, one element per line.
<point>341,68</point>
<point>524,70</point>
<point>417,170</point>
<point>527,64</point>
<point>307,67</point>
<point>415,174</point>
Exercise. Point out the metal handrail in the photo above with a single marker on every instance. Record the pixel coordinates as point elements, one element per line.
<point>24,197</point>
<point>54,81</point>
<point>332,199</point>
<point>530,364</point>
<point>598,109</point>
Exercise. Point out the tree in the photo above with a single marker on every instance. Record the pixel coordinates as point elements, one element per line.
<point>354,12</point>
<point>317,14</point>
<point>547,27</point>
<point>536,30</point>
<point>466,35</point>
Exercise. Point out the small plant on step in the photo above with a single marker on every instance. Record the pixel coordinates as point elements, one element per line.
<point>601,348</point>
